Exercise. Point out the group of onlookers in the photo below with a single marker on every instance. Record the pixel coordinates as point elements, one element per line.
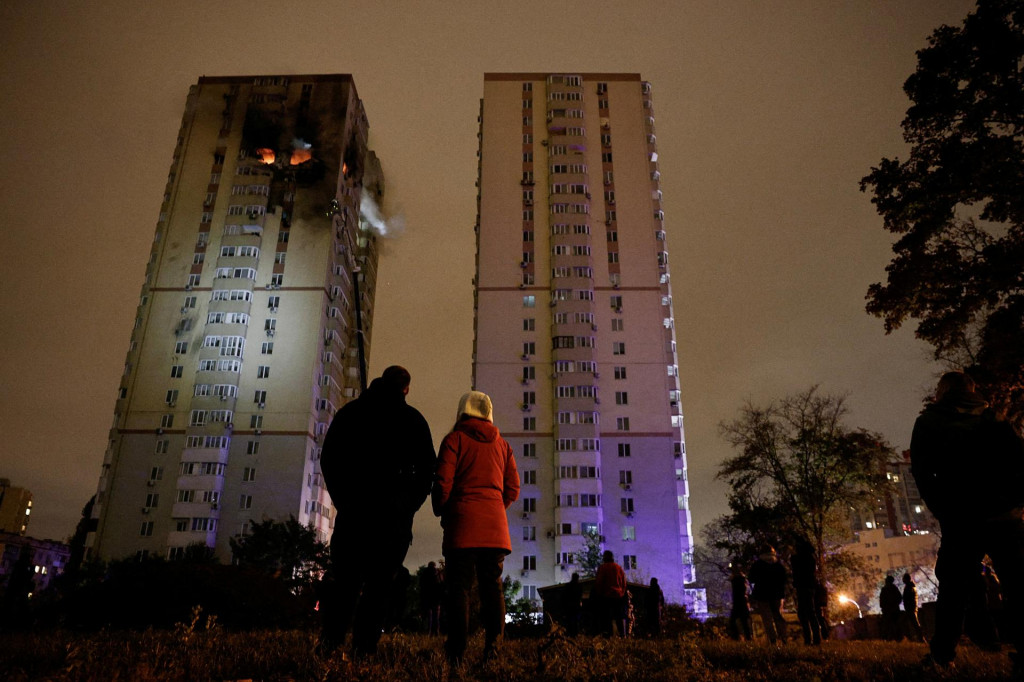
<point>968,463</point>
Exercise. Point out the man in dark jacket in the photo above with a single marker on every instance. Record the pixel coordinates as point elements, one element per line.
<point>889,600</point>
<point>805,580</point>
<point>378,463</point>
<point>769,579</point>
<point>969,467</point>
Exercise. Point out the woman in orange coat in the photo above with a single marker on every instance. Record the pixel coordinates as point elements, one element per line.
<point>476,481</point>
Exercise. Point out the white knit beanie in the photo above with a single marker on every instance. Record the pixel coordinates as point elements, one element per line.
<point>474,404</point>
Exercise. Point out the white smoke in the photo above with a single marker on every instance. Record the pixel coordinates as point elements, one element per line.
<point>371,218</point>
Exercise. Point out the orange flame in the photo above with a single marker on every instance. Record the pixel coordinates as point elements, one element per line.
<point>266,155</point>
<point>300,156</point>
<point>344,168</point>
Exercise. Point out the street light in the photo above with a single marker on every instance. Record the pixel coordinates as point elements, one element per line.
<point>846,600</point>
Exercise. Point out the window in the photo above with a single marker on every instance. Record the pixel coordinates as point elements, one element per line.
<point>245,502</point>
<point>190,302</point>
<point>156,474</point>
<point>626,505</point>
<point>166,421</point>
<point>624,450</point>
<point>276,280</point>
<point>256,421</point>
<point>172,397</point>
<point>279,257</point>
<point>529,533</point>
<point>263,371</point>
<point>152,499</point>
<point>529,301</point>
<point>529,449</point>
<point>282,236</point>
<point>249,474</point>
<point>529,373</point>
<point>252,447</point>
<point>147,529</point>
<point>267,348</point>
<point>181,348</point>
<point>617,324</point>
<point>529,505</point>
<point>198,258</point>
<point>629,562</point>
<point>273,302</point>
<point>193,281</point>
<point>529,562</point>
<point>618,348</point>
<point>529,423</point>
<point>177,371</point>
<point>621,397</point>
<point>619,372</point>
<point>529,324</point>
<point>590,500</point>
<point>529,398</point>
<point>530,477</point>
<point>622,423</point>
<point>529,348</point>
<point>260,397</point>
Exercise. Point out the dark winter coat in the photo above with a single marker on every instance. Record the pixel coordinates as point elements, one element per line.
<point>967,464</point>
<point>740,600</point>
<point>475,482</point>
<point>378,460</point>
<point>910,598</point>
<point>769,579</point>
<point>889,599</point>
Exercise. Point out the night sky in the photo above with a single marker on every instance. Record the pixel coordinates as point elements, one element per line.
<point>767,115</point>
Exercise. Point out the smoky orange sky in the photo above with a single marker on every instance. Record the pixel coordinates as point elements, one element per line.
<point>767,115</point>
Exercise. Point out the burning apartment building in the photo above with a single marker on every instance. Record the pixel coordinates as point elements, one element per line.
<point>575,330</point>
<point>253,322</point>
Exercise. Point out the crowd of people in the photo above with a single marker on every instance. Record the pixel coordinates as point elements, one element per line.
<point>968,463</point>
<point>379,465</point>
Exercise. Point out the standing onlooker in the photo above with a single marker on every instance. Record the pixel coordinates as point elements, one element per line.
<point>610,591</point>
<point>769,579</point>
<point>475,483</point>
<point>910,607</point>
<point>805,580</point>
<point>654,605</point>
<point>573,605</point>
<point>377,462</point>
<point>889,600</point>
<point>431,589</point>
<point>740,625</point>
<point>969,467</point>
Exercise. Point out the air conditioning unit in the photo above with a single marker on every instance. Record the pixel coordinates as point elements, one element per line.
<point>629,515</point>
<point>172,403</point>
<point>145,510</point>
<point>214,506</point>
<point>223,398</point>
<point>188,287</point>
<point>270,286</point>
<point>551,533</point>
<point>525,356</point>
<point>151,483</point>
<point>270,332</point>
<point>259,432</point>
<point>159,432</point>
<point>262,405</point>
<point>274,309</point>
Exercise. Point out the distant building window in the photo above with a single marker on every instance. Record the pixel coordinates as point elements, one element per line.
<point>177,371</point>
<point>249,474</point>
<point>529,449</point>
<point>263,371</point>
<point>245,502</point>
<point>529,423</point>
<point>618,348</point>
<point>624,450</point>
<point>529,301</point>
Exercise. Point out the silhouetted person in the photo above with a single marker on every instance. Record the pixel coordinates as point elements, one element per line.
<point>910,608</point>
<point>475,482</point>
<point>740,624</point>
<point>979,622</point>
<point>969,467</point>
<point>431,592</point>
<point>573,605</point>
<point>889,600</point>
<point>821,606</point>
<point>769,579</point>
<point>805,579</point>
<point>377,461</point>
<point>654,605</point>
<point>610,592</point>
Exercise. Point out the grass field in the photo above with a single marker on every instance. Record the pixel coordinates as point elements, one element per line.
<point>197,653</point>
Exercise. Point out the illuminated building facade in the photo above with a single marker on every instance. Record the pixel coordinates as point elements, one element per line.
<point>574,329</point>
<point>15,508</point>
<point>245,340</point>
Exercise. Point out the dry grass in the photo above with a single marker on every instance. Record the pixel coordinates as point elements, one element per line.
<point>194,652</point>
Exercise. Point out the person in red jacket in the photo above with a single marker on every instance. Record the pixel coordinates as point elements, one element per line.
<point>610,590</point>
<point>475,482</point>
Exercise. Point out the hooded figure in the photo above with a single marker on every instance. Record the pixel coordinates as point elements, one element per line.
<point>475,482</point>
<point>769,579</point>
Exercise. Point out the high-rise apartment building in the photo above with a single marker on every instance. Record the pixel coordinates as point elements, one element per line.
<point>575,335</point>
<point>252,322</point>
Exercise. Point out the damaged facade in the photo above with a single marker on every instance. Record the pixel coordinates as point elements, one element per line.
<point>245,338</point>
<point>574,327</point>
